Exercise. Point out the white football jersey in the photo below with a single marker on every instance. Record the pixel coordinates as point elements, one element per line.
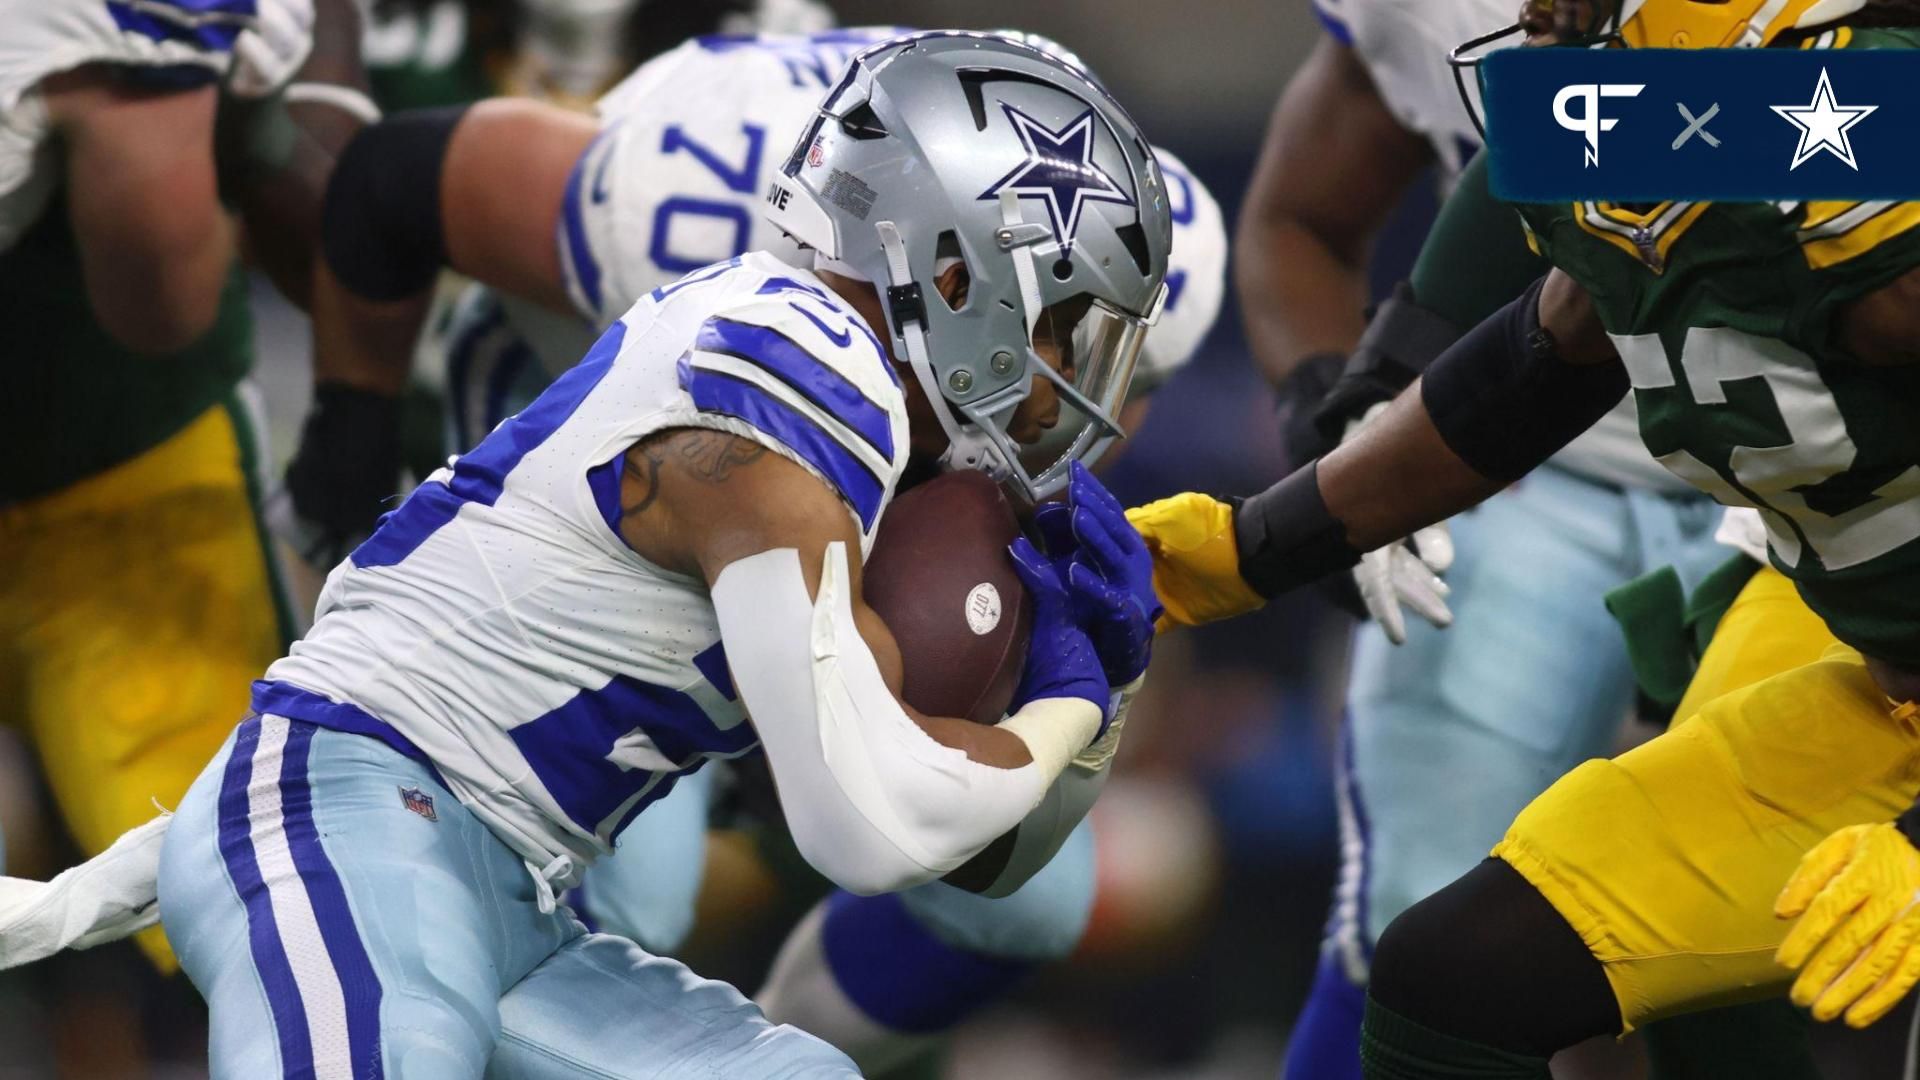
<point>496,626</point>
<point>177,40</point>
<point>675,179</point>
<point>1404,45</point>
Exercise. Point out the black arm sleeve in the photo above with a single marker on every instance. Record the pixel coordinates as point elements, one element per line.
<point>381,225</point>
<point>1503,399</point>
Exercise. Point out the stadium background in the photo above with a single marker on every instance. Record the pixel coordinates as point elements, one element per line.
<point>1218,840</point>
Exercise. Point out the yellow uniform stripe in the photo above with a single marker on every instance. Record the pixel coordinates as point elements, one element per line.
<point>1827,251</point>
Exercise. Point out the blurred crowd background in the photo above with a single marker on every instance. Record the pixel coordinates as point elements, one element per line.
<point>1218,840</point>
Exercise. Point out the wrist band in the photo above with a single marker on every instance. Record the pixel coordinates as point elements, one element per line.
<point>1287,537</point>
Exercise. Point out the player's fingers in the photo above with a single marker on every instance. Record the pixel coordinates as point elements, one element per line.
<point>1894,985</point>
<point>1434,544</point>
<point>1867,969</point>
<point>1417,589</point>
<point>1053,523</point>
<point>1849,941</point>
<point>1826,914</point>
<point>1035,572</point>
<point>1085,489</point>
<point>1108,552</point>
<point>1376,592</point>
<point>1095,594</point>
<point>1817,867</point>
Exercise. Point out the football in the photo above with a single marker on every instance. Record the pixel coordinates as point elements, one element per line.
<point>941,577</point>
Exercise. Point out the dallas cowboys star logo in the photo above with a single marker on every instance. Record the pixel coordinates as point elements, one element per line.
<point>1823,125</point>
<point>1059,171</point>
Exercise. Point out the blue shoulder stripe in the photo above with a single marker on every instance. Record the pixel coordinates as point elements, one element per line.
<point>806,373</point>
<point>715,392</point>
<point>1336,27</point>
<point>586,269</point>
<point>213,35</point>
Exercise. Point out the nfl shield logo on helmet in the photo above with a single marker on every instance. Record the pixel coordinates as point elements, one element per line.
<point>419,802</point>
<point>815,157</point>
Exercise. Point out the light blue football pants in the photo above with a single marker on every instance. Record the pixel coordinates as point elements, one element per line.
<point>1448,736</point>
<point>345,917</point>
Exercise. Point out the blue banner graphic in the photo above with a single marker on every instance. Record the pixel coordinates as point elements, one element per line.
<point>1753,125</point>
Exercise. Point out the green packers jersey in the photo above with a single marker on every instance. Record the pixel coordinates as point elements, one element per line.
<point>73,401</point>
<point>1726,316</point>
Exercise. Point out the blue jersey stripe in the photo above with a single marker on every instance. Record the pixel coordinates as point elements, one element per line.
<point>359,985</point>
<point>717,393</point>
<point>215,36</point>
<point>480,475</point>
<point>567,748</point>
<point>235,833</point>
<point>711,662</point>
<point>1336,27</point>
<point>586,270</point>
<point>779,355</point>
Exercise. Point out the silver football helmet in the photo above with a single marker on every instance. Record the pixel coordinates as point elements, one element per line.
<point>947,146</point>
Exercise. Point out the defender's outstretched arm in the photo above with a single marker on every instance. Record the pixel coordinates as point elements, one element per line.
<point>1503,399</point>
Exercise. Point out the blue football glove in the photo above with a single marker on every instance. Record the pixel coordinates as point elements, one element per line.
<point>1110,576</point>
<point>1061,661</point>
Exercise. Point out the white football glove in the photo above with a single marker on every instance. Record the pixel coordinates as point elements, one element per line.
<point>1405,573</point>
<point>267,54</point>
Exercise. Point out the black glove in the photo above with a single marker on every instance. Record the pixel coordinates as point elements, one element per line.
<point>346,468</point>
<point>1301,395</point>
<point>1401,339</point>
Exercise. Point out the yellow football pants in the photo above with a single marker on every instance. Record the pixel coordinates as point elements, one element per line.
<point>1667,859</point>
<point>136,608</point>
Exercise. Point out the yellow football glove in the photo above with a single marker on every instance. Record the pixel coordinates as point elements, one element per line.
<point>1857,896</point>
<point>1196,563</point>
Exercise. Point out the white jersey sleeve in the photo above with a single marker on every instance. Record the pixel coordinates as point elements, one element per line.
<point>182,42</point>
<point>1196,276</point>
<point>1404,46</point>
<point>496,626</point>
<point>674,181</point>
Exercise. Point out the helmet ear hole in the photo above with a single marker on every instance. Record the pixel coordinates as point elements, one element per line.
<point>950,259</point>
<point>1062,269</point>
<point>1134,238</point>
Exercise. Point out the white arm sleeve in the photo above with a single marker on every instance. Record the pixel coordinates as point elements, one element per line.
<point>873,802</point>
<point>1066,803</point>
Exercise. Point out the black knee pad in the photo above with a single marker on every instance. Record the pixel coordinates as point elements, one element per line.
<point>1488,959</point>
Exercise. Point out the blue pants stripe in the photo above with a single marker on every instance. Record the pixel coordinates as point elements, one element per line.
<point>263,932</point>
<point>359,986</point>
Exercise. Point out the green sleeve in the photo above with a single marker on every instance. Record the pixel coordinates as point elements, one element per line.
<point>1474,231</point>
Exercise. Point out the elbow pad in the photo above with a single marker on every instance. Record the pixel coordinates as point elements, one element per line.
<point>380,226</point>
<point>873,801</point>
<point>1503,399</point>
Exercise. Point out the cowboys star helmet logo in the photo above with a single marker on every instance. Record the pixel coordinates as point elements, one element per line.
<point>1059,171</point>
